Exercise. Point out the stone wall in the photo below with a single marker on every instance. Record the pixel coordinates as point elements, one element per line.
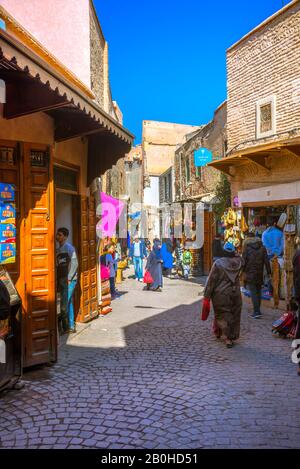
<point>213,137</point>
<point>284,167</point>
<point>97,50</point>
<point>160,140</point>
<point>265,63</point>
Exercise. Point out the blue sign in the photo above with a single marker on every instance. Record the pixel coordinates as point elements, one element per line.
<point>7,233</point>
<point>7,192</point>
<point>7,253</point>
<point>202,157</point>
<point>7,213</point>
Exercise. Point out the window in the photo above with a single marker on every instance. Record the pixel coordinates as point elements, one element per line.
<point>65,179</point>
<point>187,170</point>
<point>170,185</point>
<point>265,117</point>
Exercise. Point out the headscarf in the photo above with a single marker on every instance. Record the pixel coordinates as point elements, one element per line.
<point>169,245</point>
<point>157,249</point>
<point>229,250</point>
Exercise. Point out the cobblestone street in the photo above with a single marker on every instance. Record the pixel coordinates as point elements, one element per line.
<point>151,375</point>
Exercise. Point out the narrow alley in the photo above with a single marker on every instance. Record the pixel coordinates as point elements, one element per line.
<point>151,375</point>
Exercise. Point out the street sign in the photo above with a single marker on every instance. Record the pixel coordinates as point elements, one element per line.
<point>202,157</point>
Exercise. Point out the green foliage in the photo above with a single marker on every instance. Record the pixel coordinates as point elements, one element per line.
<point>223,193</point>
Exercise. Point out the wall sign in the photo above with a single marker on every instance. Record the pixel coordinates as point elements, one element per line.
<point>7,192</point>
<point>7,213</point>
<point>7,253</point>
<point>38,158</point>
<point>7,233</point>
<point>202,157</point>
<point>7,224</point>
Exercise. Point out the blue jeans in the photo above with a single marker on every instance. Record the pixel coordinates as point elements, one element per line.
<point>112,286</point>
<point>255,292</point>
<point>138,267</point>
<point>67,308</point>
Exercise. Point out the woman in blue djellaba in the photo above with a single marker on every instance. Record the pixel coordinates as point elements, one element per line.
<point>167,256</point>
<point>154,266</point>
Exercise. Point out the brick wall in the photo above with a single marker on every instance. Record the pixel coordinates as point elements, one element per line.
<point>265,63</point>
<point>212,136</point>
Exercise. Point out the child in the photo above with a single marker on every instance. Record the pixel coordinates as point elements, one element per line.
<point>187,261</point>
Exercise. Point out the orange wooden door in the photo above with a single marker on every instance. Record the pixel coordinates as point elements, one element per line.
<point>88,270</point>
<point>39,301</point>
<point>208,238</point>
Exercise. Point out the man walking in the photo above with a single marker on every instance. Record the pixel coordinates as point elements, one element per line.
<point>137,253</point>
<point>255,259</point>
<point>67,266</point>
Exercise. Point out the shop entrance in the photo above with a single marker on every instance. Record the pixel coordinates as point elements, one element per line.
<point>66,213</point>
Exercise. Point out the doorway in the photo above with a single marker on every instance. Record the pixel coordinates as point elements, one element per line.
<point>67,209</point>
<point>64,213</point>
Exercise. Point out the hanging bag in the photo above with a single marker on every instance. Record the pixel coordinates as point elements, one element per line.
<point>205,309</point>
<point>284,324</point>
<point>148,278</point>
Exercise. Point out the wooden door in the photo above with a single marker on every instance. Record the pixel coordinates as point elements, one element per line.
<point>39,301</point>
<point>88,269</point>
<point>208,238</point>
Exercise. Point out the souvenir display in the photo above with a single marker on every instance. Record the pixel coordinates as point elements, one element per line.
<point>7,253</point>
<point>235,226</point>
<point>7,224</point>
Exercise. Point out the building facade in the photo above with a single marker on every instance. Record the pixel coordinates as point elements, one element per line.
<point>263,125</point>
<point>55,139</point>
<point>197,184</point>
<point>159,142</point>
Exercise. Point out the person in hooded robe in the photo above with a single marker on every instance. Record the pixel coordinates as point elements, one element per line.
<point>154,266</point>
<point>223,288</point>
<point>167,256</point>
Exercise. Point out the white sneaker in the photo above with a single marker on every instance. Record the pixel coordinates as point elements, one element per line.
<point>141,280</point>
<point>136,279</point>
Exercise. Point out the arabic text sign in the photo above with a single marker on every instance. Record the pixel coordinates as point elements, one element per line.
<point>202,157</point>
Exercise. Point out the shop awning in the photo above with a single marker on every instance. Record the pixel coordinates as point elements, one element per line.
<point>32,85</point>
<point>257,156</point>
<point>206,198</point>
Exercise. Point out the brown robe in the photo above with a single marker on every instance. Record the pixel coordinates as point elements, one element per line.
<point>223,288</point>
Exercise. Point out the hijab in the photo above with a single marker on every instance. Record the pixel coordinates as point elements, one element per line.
<point>157,249</point>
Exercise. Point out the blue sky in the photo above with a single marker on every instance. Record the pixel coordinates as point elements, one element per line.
<point>168,57</point>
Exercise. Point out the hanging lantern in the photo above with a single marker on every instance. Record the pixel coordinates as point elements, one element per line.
<point>202,157</point>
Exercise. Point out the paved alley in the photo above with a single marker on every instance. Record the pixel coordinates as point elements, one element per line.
<point>151,375</point>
